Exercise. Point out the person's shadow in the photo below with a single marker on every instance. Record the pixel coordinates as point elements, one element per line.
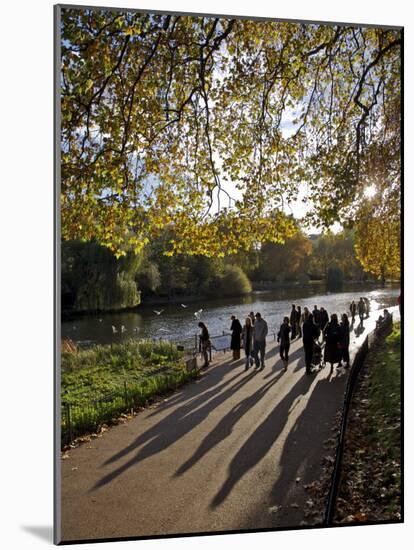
<point>304,448</point>
<point>262,439</point>
<point>215,375</point>
<point>359,329</point>
<point>226,425</point>
<point>177,424</point>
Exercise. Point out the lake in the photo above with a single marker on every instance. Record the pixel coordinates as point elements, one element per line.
<point>179,324</point>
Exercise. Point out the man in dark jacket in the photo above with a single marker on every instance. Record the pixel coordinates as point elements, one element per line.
<point>259,340</point>
<point>299,321</point>
<point>353,309</point>
<point>361,310</point>
<point>309,333</point>
<point>284,339</point>
<point>316,316</point>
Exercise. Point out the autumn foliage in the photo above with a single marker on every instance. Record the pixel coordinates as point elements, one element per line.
<point>212,125</point>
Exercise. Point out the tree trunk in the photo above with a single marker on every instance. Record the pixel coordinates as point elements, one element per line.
<point>382,276</point>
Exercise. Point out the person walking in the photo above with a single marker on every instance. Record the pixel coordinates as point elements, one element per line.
<point>205,343</point>
<point>299,321</point>
<point>236,330</point>
<point>259,340</point>
<point>247,339</point>
<point>344,340</point>
<point>305,314</point>
<point>293,320</point>
<point>367,307</point>
<point>324,318</point>
<point>361,311</point>
<point>251,315</point>
<point>316,316</point>
<point>309,332</point>
<point>332,336</point>
<point>283,337</point>
<point>353,309</point>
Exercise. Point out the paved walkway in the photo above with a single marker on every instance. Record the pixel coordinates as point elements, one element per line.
<point>220,454</point>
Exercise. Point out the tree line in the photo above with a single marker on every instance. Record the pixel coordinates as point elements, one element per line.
<point>93,279</point>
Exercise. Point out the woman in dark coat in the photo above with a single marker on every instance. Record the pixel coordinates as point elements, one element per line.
<point>247,338</point>
<point>344,340</point>
<point>309,332</point>
<point>236,330</point>
<point>205,343</point>
<point>332,335</point>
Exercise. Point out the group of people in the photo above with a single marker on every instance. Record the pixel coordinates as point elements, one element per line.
<point>362,308</point>
<point>251,337</point>
<point>310,326</point>
<point>297,319</point>
<point>332,348</point>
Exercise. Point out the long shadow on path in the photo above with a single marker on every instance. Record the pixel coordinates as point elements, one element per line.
<point>259,443</point>
<point>215,374</point>
<point>167,432</point>
<point>225,427</point>
<point>304,448</point>
<point>192,402</point>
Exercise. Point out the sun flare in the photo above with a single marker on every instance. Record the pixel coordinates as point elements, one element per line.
<point>370,191</point>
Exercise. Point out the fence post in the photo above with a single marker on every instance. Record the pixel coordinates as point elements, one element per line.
<point>69,422</point>
<point>125,394</point>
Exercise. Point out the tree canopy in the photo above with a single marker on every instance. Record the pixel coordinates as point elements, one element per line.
<point>378,240</point>
<point>211,125</point>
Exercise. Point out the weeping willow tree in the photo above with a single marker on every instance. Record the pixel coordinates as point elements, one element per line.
<point>213,126</point>
<point>93,279</point>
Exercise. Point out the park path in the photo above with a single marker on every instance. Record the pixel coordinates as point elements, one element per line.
<point>223,453</point>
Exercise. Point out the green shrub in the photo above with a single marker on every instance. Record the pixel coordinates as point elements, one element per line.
<point>231,282</point>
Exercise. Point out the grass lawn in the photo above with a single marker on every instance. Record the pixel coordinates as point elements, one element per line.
<point>99,384</point>
<point>370,486</point>
<point>385,394</point>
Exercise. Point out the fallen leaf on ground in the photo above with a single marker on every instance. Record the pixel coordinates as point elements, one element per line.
<point>274,509</point>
